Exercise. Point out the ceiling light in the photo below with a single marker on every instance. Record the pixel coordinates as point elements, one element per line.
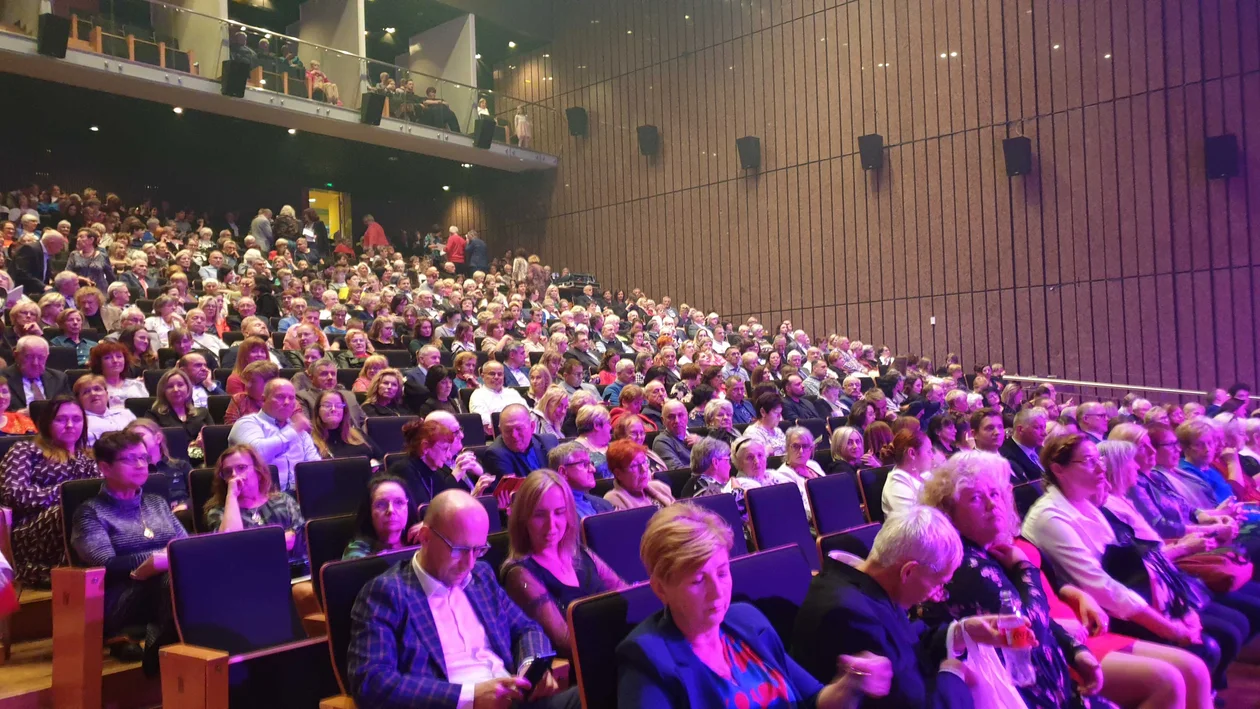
<point>1106,56</point>
<point>546,56</point>
<point>629,31</point>
<point>311,200</point>
<point>94,129</point>
<point>446,188</point>
<point>477,56</point>
<point>686,17</point>
<point>177,109</point>
<point>390,30</point>
<point>1056,46</point>
<point>944,55</point>
<point>267,36</point>
<point>953,54</point>
<point>365,33</point>
<point>293,131</point>
<point>467,164</point>
<point>511,45</point>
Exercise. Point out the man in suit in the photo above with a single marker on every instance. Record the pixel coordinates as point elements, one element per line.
<point>414,390</point>
<point>573,461</point>
<point>581,349</point>
<point>1091,418</point>
<point>1023,448</point>
<point>323,377</point>
<point>673,444</point>
<point>29,378</point>
<point>34,264</point>
<point>518,450</point>
<point>138,280</point>
<point>260,229</point>
<point>795,405</point>
<point>855,606</point>
<point>515,363</point>
<point>989,430</point>
<point>438,630</point>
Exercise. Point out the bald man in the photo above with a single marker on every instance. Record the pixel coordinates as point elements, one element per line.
<point>438,630</point>
<point>280,433</point>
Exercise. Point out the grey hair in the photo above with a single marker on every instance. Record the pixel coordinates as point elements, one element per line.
<point>1030,415</point>
<point>561,454</point>
<point>703,453</point>
<point>920,534</point>
<point>714,407</point>
<point>1114,455</point>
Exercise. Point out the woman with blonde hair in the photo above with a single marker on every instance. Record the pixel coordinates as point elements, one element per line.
<point>539,383</point>
<point>371,367</point>
<point>50,306</point>
<point>594,433</point>
<point>385,394</point>
<point>547,566</point>
<point>549,412</point>
<point>465,366</point>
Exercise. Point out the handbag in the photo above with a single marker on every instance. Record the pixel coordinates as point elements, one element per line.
<point>1222,570</point>
<point>1141,566</point>
<point>991,684</point>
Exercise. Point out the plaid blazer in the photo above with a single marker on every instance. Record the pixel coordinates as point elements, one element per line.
<point>395,655</point>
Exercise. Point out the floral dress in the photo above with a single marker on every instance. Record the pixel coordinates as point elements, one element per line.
<point>30,487</point>
<point>976,589</point>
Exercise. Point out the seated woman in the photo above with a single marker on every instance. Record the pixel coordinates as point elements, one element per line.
<point>704,651</point>
<point>382,336</point>
<point>101,417</point>
<point>371,367</point>
<point>766,428</point>
<point>608,367</point>
<point>549,412</point>
<point>799,464</point>
<point>164,319</point>
<point>634,428</point>
<point>387,519</point>
<point>12,423</point>
<point>250,400</point>
<point>465,366</point>
<point>357,350</point>
<point>173,408</point>
<point>465,339</point>
<point>943,432</point>
<point>241,497</point>
<point>435,463</point>
<point>175,470</point>
<point>31,473</point>
<point>440,389</point>
<point>140,350</point>
<point>749,458</point>
<point>1074,533</point>
<point>385,394</point>
<point>112,361</point>
<point>179,343</point>
<point>335,434</point>
<point>539,383</point>
<point>710,468</point>
<point>879,437</point>
<point>251,349</point>
<point>547,566</point>
<point>534,341</point>
<point>594,429</point>
<point>126,531</point>
<point>50,307</point>
<point>719,421</point>
<point>911,456</point>
<point>71,324</point>
<point>632,473</point>
<point>974,489</point>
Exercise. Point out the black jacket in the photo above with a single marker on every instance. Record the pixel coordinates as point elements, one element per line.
<point>53,382</point>
<point>1023,468</point>
<point>29,270</point>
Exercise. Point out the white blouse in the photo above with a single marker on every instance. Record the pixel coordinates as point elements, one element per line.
<point>901,491</point>
<point>795,478</point>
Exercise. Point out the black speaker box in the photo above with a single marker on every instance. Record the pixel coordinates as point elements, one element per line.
<point>1018,152</point>
<point>871,148</point>
<point>54,33</point>
<point>371,108</point>
<point>578,121</point>
<point>649,140</point>
<point>483,135</point>
<point>1221,156</point>
<point>749,148</point>
<point>234,75</point>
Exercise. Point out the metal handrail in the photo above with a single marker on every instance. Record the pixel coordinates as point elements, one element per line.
<point>1105,385</point>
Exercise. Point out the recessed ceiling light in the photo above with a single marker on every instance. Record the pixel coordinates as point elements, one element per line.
<point>390,30</point>
<point>177,109</point>
<point>311,200</point>
<point>477,56</point>
<point>446,188</point>
<point>293,131</point>
<point>1056,46</point>
<point>686,17</point>
<point>94,129</point>
<point>511,45</point>
<point>1106,56</point>
<point>944,55</point>
<point>467,164</point>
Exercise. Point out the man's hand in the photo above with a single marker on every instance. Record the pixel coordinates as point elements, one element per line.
<point>300,423</point>
<point>873,673</point>
<point>546,688</point>
<point>499,693</point>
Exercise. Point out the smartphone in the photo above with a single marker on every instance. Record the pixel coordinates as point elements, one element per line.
<point>538,669</point>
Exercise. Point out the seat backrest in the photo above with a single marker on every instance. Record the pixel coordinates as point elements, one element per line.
<point>474,433</point>
<point>776,581</point>
<point>675,479</point>
<point>215,439</point>
<point>327,488</point>
<point>152,377</point>
<point>341,582</point>
<point>835,422</point>
<point>347,377</point>
<point>726,507</point>
<point>75,492</point>
<point>139,406</point>
<point>1026,495</point>
<point>499,549</point>
<point>465,396</point>
<point>856,541</point>
<point>615,537</point>
<point>386,431</point>
<point>218,405</point>
<point>177,442</point>
<point>817,427</point>
<point>62,358</point>
<point>200,485</point>
<point>326,540</point>
<point>250,608</point>
<point>835,501</point>
<point>7,442</point>
<point>778,517</point>
<point>603,486</point>
<point>873,480</point>
<point>491,503</point>
<point>596,626</point>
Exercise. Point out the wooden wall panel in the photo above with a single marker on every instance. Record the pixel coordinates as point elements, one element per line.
<point>1116,259</point>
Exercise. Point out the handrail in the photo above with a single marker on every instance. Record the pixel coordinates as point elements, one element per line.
<point>1105,385</point>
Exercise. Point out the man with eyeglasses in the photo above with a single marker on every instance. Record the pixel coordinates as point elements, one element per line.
<point>440,631</point>
<point>573,461</point>
<point>1091,419</point>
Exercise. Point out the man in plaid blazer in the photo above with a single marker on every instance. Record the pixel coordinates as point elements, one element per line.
<point>438,630</point>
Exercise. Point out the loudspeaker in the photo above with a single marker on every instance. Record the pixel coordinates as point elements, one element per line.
<point>483,135</point>
<point>1221,156</point>
<point>234,75</point>
<point>371,108</point>
<point>649,140</point>
<point>749,148</point>
<point>54,33</point>
<point>577,121</point>
<point>1018,152</point>
<point>872,149</point>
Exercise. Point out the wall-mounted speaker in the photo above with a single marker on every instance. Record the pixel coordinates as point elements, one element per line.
<point>649,140</point>
<point>578,121</point>
<point>871,149</point>
<point>371,108</point>
<point>1018,153</point>
<point>1221,156</point>
<point>234,75</point>
<point>749,148</point>
<point>483,134</point>
<point>54,34</point>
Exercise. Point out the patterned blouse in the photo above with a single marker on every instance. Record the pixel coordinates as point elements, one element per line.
<point>29,485</point>
<point>753,683</point>
<point>1155,498</point>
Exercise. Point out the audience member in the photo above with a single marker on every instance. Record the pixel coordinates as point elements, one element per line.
<point>493,397</point>
<point>633,485</point>
<point>387,519</point>
<point>384,394</point>
<point>517,451</point>
<point>335,435</point>
<point>911,455</point>
<point>1023,449</point>
<point>435,461</point>
<point>175,470</point>
<point>29,377</point>
<point>573,461</point>
<point>279,434</point>
<point>101,419</point>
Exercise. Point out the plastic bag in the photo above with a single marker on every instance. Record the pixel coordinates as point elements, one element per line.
<point>991,685</point>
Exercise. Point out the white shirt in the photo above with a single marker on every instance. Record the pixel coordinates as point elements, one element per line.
<point>901,491</point>
<point>126,389</point>
<point>281,446</point>
<point>159,329</point>
<point>795,478</point>
<point>466,651</point>
<point>112,420</point>
<point>486,402</point>
<point>1075,540</point>
<point>209,341</point>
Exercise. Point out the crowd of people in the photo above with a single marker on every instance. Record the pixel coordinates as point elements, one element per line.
<point>1129,564</point>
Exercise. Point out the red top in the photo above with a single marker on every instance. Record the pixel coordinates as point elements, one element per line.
<point>455,248</point>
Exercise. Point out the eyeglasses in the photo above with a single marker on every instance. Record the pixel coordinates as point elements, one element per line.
<point>1165,444</point>
<point>477,552</point>
<point>133,460</point>
<point>1087,462</point>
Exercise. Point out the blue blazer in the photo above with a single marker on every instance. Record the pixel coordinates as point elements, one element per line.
<point>395,658</point>
<point>658,668</point>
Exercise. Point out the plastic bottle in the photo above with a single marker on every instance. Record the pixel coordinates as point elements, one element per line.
<point>1018,660</point>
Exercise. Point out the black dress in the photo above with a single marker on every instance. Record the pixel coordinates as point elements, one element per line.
<point>423,482</point>
<point>338,448</point>
<point>589,582</point>
<point>197,420</point>
<point>431,404</point>
<point>381,410</point>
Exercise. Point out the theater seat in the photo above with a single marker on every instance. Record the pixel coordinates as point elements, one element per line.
<point>836,502</point>
<point>326,540</point>
<point>775,581</point>
<point>215,440</point>
<point>596,626</point>
<point>327,488</point>
<point>200,484</point>
<point>675,479</point>
<point>726,507</point>
<point>1026,495</point>
<point>778,517</point>
<point>615,537</point>
<point>386,431</point>
<point>856,541</point>
<point>474,431</point>
<point>873,480</point>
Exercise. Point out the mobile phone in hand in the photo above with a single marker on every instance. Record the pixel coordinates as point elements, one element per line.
<point>537,669</point>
